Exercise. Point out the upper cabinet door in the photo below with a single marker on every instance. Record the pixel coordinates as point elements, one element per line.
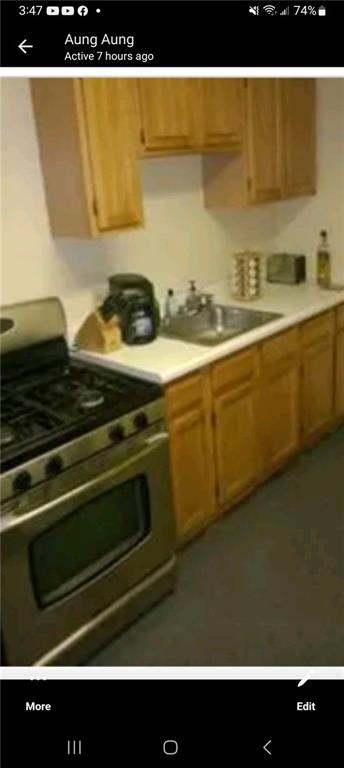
<point>222,111</point>
<point>263,139</point>
<point>298,123</point>
<point>168,118</point>
<point>111,126</point>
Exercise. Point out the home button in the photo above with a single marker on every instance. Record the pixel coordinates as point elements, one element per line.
<point>170,747</point>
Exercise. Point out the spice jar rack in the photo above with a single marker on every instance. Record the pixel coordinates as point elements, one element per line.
<point>247,275</point>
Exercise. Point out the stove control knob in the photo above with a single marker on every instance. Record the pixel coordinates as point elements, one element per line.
<point>53,466</point>
<point>117,434</point>
<point>140,420</point>
<point>22,482</point>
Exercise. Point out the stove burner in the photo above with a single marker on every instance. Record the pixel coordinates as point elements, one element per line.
<point>7,435</point>
<point>47,407</point>
<point>90,398</point>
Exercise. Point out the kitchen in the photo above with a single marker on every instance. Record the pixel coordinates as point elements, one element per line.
<point>185,196</point>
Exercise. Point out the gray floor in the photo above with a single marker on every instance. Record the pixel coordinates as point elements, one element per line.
<point>264,586</point>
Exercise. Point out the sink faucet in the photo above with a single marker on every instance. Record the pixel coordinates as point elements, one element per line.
<point>218,319</point>
<point>192,301</point>
<point>196,299</point>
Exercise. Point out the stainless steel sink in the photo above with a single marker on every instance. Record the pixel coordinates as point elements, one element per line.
<point>215,324</point>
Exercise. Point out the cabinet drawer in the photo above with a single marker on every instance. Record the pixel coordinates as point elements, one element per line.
<point>185,394</point>
<point>319,330</point>
<point>340,316</point>
<point>281,349</point>
<point>236,371</point>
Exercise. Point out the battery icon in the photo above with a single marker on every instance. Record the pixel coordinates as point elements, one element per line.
<point>322,10</point>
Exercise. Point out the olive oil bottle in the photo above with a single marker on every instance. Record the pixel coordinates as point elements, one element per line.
<point>323,261</point>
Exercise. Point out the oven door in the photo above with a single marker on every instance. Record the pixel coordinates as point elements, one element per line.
<point>68,560</point>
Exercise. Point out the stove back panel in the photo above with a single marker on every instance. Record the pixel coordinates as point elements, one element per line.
<point>30,323</point>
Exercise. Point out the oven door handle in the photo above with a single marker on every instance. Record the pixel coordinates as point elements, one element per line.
<point>147,445</point>
<point>160,437</point>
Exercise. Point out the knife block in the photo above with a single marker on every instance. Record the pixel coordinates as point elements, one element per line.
<point>98,335</point>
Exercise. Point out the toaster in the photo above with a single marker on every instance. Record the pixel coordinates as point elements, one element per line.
<point>289,268</point>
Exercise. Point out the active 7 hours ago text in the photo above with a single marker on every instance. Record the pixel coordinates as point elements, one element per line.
<point>104,48</point>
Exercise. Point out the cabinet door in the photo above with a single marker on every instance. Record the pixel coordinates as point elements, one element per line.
<point>339,364</point>
<point>281,417</point>
<point>339,382</point>
<point>191,471</point>
<point>236,443</point>
<point>298,126</point>
<point>222,111</point>
<point>111,123</point>
<point>192,455</point>
<point>168,113</point>
<point>280,400</point>
<point>317,392</point>
<point>235,383</point>
<point>263,139</point>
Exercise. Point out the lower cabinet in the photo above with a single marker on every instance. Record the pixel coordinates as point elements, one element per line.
<point>235,383</point>
<point>191,450</point>
<point>235,423</point>
<point>317,379</point>
<point>280,400</point>
<point>339,365</point>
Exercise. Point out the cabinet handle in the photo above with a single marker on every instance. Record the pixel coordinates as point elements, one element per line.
<point>95,207</point>
<point>142,136</point>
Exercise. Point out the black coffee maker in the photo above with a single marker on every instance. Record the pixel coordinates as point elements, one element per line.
<point>138,309</point>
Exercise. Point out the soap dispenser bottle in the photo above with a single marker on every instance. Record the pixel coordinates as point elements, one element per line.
<point>323,261</point>
<point>170,305</point>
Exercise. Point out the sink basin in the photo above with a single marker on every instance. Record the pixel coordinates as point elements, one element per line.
<point>215,324</point>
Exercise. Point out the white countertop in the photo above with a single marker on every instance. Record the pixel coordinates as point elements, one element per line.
<point>164,360</point>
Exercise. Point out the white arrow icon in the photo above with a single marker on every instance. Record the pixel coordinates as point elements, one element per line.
<point>24,45</point>
<point>266,747</point>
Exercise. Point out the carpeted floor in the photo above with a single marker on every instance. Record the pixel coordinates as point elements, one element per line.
<point>263,586</point>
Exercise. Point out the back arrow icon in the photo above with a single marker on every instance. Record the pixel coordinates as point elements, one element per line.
<point>24,45</point>
<point>266,747</point>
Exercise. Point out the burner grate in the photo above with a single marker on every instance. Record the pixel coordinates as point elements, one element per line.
<point>56,404</point>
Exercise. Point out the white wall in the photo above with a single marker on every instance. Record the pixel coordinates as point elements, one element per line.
<point>181,240</point>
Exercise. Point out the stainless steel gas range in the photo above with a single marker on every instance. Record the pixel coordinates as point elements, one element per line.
<point>87,531</point>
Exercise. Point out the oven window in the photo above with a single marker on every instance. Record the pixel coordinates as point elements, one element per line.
<point>89,540</point>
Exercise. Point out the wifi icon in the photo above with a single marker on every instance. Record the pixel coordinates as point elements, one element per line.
<point>271,9</point>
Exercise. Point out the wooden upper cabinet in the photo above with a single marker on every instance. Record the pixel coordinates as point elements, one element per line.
<point>87,136</point>
<point>190,114</point>
<point>252,175</point>
<point>222,111</point>
<point>168,117</point>
<point>263,140</point>
<point>111,124</point>
<point>298,120</point>
<point>278,159</point>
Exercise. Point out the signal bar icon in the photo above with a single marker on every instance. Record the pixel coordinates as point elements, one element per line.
<point>285,12</point>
